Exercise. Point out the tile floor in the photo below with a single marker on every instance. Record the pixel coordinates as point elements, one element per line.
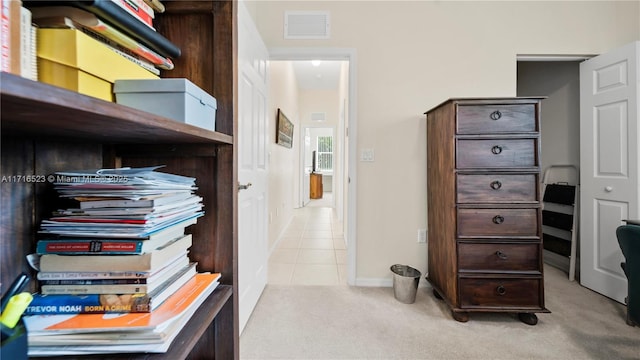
<point>312,249</point>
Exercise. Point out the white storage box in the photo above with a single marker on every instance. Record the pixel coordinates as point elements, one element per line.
<point>178,99</point>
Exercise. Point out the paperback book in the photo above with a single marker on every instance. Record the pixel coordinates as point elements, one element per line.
<point>114,286</point>
<point>132,332</point>
<point>107,289</point>
<point>110,303</point>
<point>106,246</point>
<point>139,9</point>
<point>132,277</point>
<point>151,261</point>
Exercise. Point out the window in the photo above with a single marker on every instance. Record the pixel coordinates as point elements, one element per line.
<point>324,153</point>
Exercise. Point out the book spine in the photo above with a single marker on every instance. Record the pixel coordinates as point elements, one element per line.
<point>81,247</point>
<point>26,49</point>
<point>10,33</point>
<point>95,282</point>
<point>43,275</point>
<point>87,304</point>
<point>144,7</point>
<point>155,5</point>
<point>34,50</point>
<point>132,8</point>
<point>94,289</point>
<point>142,63</point>
<point>151,261</point>
<point>5,35</point>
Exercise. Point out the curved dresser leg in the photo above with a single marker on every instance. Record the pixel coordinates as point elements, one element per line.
<point>460,316</point>
<point>528,318</point>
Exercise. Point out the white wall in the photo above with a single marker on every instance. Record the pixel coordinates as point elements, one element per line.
<point>413,55</point>
<point>319,101</point>
<point>283,162</point>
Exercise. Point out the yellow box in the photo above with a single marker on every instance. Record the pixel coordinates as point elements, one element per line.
<point>71,59</point>
<point>70,78</point>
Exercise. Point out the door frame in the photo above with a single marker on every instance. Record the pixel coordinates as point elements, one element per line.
<point>339,54</point>
<point>551,258</point>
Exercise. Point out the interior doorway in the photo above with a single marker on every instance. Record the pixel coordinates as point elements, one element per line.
<point>341,180</point>
<point>318,167</point>
<point>559,82</point>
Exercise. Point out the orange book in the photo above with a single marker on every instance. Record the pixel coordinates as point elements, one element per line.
<point>190,295</point>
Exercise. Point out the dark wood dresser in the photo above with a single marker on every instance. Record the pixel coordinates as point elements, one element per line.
<point>484,213</point>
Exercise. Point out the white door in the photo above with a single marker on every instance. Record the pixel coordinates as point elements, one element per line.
<point>608,165</point>
<point>252,165</point>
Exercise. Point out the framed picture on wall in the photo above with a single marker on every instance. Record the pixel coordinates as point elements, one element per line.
<point>284,130</point>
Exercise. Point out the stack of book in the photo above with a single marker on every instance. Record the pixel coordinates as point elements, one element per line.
<point>126,26</point>
<point>82,334</point>
<point>84,46</point>
<point>123,249</point>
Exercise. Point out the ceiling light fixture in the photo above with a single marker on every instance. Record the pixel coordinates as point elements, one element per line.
<point>316,63</point>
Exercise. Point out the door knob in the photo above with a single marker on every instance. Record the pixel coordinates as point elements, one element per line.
<point>244,187</point>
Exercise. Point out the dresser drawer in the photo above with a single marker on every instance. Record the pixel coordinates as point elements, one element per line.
<point>496,153</point>
<point>497,222</point>
<point>492,119</point>
<point>497,188</point>
<point>495,292</point>
<point>498,257</point>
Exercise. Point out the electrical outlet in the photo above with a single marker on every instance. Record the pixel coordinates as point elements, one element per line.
<point>422,235</point>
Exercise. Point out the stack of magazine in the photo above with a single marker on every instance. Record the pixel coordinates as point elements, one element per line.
<point>125,202</point>
<point>120,253</point>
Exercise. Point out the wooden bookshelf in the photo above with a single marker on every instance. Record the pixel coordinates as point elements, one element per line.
<point>47,129</point>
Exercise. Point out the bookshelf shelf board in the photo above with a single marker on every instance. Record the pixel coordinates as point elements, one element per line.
<point>189,335</point>
<point>31,108</point>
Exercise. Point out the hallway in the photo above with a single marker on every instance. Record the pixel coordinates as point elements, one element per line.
<point>312,249</point>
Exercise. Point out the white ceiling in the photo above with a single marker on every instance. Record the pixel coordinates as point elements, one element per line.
<point>325,76</point>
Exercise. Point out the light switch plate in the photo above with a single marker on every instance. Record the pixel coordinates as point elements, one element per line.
<point>367,155</point>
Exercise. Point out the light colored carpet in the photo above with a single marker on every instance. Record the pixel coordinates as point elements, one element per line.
<point>341,322</point>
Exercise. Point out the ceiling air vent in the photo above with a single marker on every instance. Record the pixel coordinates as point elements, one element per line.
<point>306,25</point>
<point>317,116</point>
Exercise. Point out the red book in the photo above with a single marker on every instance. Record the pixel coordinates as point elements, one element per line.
<point>136,10</point>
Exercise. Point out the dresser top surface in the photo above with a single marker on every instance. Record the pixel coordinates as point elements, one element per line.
<point>489,101</point>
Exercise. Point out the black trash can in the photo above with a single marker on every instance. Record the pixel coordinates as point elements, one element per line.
<point>405,283</point>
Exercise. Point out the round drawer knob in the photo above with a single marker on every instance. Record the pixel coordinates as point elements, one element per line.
<point>498,219</point>
<point>496,149</point>
<point>501,255</point>
<point>608,188</point>
<point>495,115</point>
<point>495,185</point>
<point>501,290</point>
